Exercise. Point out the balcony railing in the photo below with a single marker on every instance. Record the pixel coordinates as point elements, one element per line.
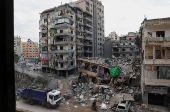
<point>167,38</point>
<point>80,36</point>
<point>88,31</point>
<point>44,44</point>
<point>61,51</point>
<point>44,31</point>
<point>89,19</point>
<point>65,68</point>
<point>154,39</point>
<point>63,25</point>
<point>88,38</point>
<point>64,33</point>
<point>60,42</point>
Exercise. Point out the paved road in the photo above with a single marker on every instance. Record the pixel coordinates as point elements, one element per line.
<point>36,108</point>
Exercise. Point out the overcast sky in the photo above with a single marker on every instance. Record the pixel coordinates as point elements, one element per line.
<point>122,16</point>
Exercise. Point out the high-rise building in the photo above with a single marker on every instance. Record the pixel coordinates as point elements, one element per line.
<point>65,36</point>
<point>96,9</point>
<point>113,36</point>
<point>155,73</point>
<point>17,46</point>
<point>29,50</point>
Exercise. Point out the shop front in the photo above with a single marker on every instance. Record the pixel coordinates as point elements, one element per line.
<point>158,95</point>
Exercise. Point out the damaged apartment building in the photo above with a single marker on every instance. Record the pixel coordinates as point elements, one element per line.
<point>155,73</point>
<point>125,47</point>
<point>66,34</point>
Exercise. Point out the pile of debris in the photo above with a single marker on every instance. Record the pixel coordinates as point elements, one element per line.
<point>110,95</point>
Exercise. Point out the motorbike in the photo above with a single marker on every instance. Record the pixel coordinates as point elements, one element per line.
<point>94,107</point>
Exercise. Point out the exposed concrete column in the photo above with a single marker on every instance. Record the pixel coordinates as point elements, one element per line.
<point>58,72</point>
<point>165,52</point>
<point>153,52</point>
<point>17,75</point>
<point>161,52</point>
<point>67,73</point>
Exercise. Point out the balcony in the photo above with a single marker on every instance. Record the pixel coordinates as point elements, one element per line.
<point>64,60</point>
<point>65,68</point>
<point>89,25</point>
<point>43,38</point>
<point>64,34</point>
<point>88,31</point>
<point>43,31</point>
<point>87,44</point>
<point>79,51</point>
<point>43,25</point>
<point>88,51</point>
<point>63,25</point>
<point>80,36</point>
<point>157,82</point>
<point>80,43</point>
<point>62,51</point>
<point>88,38</point>
<point>167,38</point>
<point>89,19</point>
<point>43,44</point>
<point>79,22</point>
<point>157,61</point>
<point>65,16</point>
<point>154,39</point>
<point>60,43</point>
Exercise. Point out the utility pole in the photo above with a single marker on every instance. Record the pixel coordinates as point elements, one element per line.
<point>47,43</point>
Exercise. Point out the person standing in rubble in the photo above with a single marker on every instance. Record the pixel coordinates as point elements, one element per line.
<point>103,90</point>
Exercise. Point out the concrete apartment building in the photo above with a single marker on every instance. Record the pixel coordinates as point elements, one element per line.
<point>65,36</point>
<point>96,9</point>
<point>113,36</point>
<point>125,47</point>
<point>155,78</point>
<point>17,46</point>
<point>29,50</point>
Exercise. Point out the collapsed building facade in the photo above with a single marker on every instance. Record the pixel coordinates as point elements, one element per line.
<point>155,74</point>
<point>125,47</point>
<point>97,71</point>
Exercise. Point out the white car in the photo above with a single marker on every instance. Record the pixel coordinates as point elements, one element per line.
<point>123,106</point>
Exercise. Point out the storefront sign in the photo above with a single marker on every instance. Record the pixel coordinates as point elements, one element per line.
<point>158,90</point>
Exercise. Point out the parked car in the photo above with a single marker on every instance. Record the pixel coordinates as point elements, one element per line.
<point>123,106</point>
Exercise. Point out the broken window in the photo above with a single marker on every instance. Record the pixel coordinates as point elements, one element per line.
<point>61,31</point>
<point>61,65</point>
<point>61,47</point>
<point>160,55</point>
<point>160,33</point>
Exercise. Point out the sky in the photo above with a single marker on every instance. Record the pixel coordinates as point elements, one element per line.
<point>121,16</point>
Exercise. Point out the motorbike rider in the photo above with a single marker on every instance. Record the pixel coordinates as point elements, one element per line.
<point>94,103</point>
